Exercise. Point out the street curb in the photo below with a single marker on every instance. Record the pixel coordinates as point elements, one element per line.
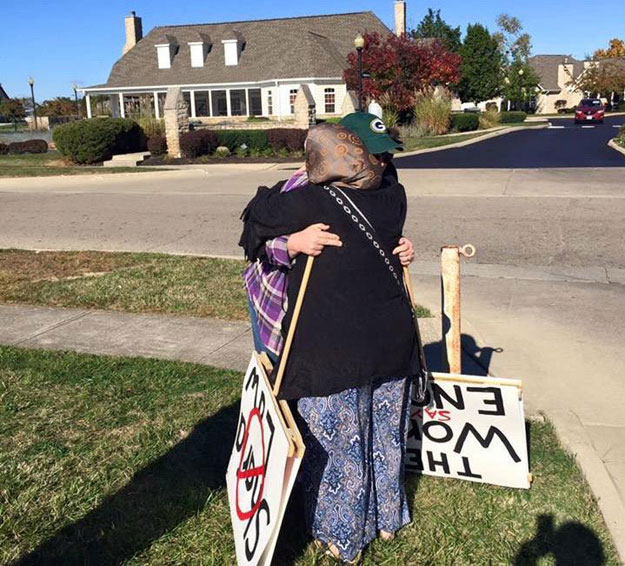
<point>616,146</point>
<point>494,134</point>
<point>575,439</point>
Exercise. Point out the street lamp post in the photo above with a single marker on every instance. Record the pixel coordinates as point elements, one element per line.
<point>31,82</point>
<point>75,87</point>
<point>359,44</point>
<point>521,97</point>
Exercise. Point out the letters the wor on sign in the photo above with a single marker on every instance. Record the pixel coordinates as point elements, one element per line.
<point>468,430</point>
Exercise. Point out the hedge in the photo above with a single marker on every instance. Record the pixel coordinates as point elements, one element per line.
<point>98,139</point>
<point>253,139</point>
<point>28,146</point>
<point>198,142</point>
<point>512,117</point>
<point>286,138</point>
<point>4,148</point>
<point>157,144</point>
<point>204,142</point>
<point>466,122</point>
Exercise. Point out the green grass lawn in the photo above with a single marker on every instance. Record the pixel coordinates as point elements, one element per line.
<point>107,460</point>
<point>131,282</point>
<point>427,142</point>
<point>51,163</point>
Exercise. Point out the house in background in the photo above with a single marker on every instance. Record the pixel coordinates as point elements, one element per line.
<point>3,94</point>
<point>556,72</point>
<point>234,70</point>
<point>558,75</point>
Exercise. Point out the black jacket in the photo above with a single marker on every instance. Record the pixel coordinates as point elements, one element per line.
<point>355,323</point>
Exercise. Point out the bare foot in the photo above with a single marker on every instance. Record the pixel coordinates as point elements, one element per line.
<point>384,535</point>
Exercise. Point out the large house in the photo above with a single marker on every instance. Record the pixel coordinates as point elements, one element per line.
<point>3,94</point>
<point>558,76</point>
<point>234,70</point>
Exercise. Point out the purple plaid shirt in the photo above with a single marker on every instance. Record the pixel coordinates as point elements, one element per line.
<point>266,282</point>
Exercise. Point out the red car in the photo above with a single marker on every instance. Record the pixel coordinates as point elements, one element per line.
<point>589,110</point>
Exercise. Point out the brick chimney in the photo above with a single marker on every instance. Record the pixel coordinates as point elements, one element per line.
<point>400,17</point>
<point>134,31</point>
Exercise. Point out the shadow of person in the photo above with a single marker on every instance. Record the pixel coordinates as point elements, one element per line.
<point>481,354</point>
<point>570,544</point>
<point>159,497</point>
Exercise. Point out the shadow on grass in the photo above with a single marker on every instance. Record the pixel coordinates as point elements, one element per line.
<point>571,543</point>
<point>159,497</point>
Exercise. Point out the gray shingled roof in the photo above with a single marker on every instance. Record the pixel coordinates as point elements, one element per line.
<point>546,66</point>
<point>312,46</point>
<point>3,93</point>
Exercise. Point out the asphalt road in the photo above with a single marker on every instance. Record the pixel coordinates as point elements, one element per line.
<point>564,144</point>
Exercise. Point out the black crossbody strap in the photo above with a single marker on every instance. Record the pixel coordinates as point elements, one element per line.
<point>362,224</point>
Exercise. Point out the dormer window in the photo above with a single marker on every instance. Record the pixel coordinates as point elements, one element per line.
<point>199,50</point>
<point>233,46</point>
<point>165,52</point>
<point>231,51</point>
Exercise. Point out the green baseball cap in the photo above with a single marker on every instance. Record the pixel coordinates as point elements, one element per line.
<point>372,131</point>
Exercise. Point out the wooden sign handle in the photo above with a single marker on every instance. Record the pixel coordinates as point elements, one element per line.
<point>289,337</point>
<point>408,283</point>
<point>413,304</point>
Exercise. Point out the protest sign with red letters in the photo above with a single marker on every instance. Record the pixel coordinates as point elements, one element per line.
<point>263,465</point>
<point>470,428</point>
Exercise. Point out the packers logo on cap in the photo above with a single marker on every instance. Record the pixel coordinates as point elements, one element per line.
<point>377,126</point>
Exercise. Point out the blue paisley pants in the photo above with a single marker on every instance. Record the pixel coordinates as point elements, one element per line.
<point>352,474</point>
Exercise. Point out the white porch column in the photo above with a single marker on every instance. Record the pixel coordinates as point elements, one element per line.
<point>247,102</point>
<point>192,94</point>
<point>122,110</point>
<point>88,103</point>
<point>210,103</point>
<point>229,110</point>
<point>157,110</point>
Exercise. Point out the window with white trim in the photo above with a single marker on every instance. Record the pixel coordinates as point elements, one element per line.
<point>269,103</point>
<point>292,96</point>
<point>329,99</point>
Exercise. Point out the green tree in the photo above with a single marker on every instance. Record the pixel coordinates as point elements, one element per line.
<point>59,106</point>
<point>13,110</point>
<point>481,65</point>
<point>520,83</point>
<point>433,26</point>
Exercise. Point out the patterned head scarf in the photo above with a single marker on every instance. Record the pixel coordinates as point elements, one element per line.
<point>334,154</point>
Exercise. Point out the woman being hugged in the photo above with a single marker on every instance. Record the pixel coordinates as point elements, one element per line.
<point>354,353</point>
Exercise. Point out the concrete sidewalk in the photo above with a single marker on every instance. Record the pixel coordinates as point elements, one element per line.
<point>597,444</point>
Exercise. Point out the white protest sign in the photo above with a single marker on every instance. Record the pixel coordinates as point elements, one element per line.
<point>262,468</point>
<point>470,428</point>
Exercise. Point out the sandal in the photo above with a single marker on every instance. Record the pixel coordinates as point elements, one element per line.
<point>386,536</point>
<point>334,553</point>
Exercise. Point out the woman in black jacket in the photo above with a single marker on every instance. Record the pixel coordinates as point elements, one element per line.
<point>354,350</point>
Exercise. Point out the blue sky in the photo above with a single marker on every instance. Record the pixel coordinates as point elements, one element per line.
<point>60,42</point>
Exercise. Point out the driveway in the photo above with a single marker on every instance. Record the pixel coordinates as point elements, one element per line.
<point>563,144</point>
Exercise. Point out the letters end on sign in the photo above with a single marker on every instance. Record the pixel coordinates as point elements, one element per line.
<point>470,428</point>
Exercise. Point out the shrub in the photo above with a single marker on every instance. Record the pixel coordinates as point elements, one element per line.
<point>241,151</point>
<point>157,144</point>
<point>390,117</point>
<point>512,117</point>
<point>432,113</point>
<point>222,151</point>
<point>4,148</point>
<point>258,119</point>
<point>489,119</point>
<point>465,122</point>
<point>198,142</point>
<point>98,139</point>
<point>491,107</point>
<point>290,139</point>
<point>28,146</point>
<point>253,139</point>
